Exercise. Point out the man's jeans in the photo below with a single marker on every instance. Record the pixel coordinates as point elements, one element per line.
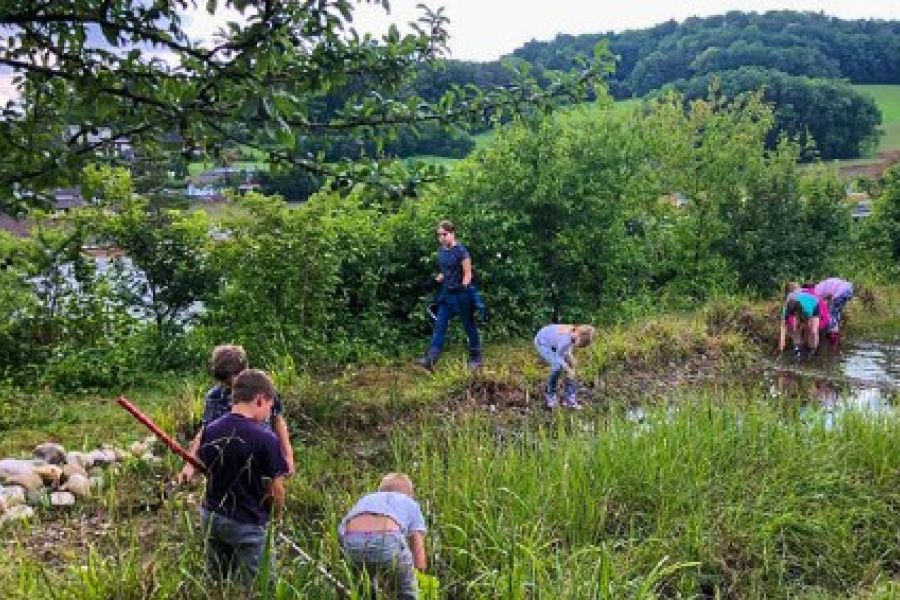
<point>383,553</point>
<point>456,303</point>
<point>234,550</point>
<point>837,309</point>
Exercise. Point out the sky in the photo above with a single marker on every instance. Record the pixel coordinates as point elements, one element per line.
<point>488,29</point>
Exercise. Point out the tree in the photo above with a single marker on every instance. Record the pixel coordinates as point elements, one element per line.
<point>164,269</point>
<point>88,81</point>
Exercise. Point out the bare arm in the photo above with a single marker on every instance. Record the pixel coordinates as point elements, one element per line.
<point>813,332</point>
<point>276,493</point>
<point>466,272</point>
<point>188,471</point>
<point>417,545</point>
<point>284,440</point>
<point>569,364</point>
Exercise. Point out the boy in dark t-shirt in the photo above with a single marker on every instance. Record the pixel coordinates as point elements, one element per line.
<point>225,364</point>
<point>245,480</point>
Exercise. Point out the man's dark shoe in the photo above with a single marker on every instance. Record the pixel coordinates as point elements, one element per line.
<point>424,362</point>
<point>474,364</point>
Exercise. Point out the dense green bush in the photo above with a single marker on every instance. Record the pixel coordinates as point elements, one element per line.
<point>601,216</point>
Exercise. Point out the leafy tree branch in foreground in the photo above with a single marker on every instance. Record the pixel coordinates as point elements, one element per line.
<point>94,73</point>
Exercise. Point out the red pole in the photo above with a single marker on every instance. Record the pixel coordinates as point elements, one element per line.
<point>159,433</point>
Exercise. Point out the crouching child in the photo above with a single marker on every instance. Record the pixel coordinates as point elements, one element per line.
<point>245,481</point>
<point>383,535</point>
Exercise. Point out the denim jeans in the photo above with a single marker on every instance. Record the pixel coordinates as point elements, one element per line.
<point>556,366</point>
<point>234,550</point>
<point>837,309</point>
<point>457,303</point>
<point>386,554</point>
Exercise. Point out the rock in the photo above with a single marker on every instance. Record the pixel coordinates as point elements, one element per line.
<point>139,448</point>
<point>150,458</point>
<point>79,485</point>
<point>12,495</point>
<point>51,452</point>
<point>69,470</point>
<point>49,474</point>
<point>17,513</point>
<point>38,497</point>
<point>13,466</point>
<point>117,453</point>
<point>62,499</point>
<point>28,480</point>
<point>102,458</point>
<point>80,459</point>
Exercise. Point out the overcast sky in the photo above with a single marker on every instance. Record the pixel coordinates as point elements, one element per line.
<point>488,29</point>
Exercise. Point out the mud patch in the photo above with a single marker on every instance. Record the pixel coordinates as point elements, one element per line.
<point>497,395</point>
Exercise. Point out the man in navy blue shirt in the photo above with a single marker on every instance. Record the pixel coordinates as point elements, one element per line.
<point>245,480</point>
<point>455,298</point>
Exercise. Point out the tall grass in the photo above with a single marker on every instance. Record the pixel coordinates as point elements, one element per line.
<point>714,500</point>
<point>729,496</point>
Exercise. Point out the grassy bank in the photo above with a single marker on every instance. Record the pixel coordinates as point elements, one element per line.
<point>732,494</point>
<point>727,497</point>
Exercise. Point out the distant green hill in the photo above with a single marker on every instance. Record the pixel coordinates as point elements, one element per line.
<point>796,43</point>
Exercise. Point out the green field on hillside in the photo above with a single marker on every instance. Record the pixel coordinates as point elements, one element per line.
<point>887,97</point>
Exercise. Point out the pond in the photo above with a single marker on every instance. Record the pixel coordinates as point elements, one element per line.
<point>864,377</point>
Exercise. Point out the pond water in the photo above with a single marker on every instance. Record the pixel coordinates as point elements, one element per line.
<point>864,377</point>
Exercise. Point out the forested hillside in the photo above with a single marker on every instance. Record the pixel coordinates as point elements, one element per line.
<point>811,44</point>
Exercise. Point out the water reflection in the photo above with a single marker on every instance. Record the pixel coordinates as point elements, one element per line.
<point>863,379</point>
<point>877,363</point>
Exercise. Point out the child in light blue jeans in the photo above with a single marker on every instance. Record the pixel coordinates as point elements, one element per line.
<point>384,535</point>
<point>555,344</point>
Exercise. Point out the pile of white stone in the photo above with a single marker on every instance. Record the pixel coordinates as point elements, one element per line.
<point>57,478</point>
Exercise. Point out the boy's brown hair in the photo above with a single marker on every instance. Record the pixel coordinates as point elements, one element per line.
<point>396,482</point>
<point>447,226</point>
<point>227,361</point>
<point>250,383</point>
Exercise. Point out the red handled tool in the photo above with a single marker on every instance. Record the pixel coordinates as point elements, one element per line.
<point>159,433</point>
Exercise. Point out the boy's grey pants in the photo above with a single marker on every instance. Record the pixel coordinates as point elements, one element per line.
<point>387,553</point>
<point>234,550</point>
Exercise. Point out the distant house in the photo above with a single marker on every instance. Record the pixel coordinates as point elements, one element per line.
<point>102,137</point>
<point>67,199</point>
<point>211,184</point>
<point>860,205</point>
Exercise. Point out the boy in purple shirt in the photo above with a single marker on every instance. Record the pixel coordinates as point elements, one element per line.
<point>226,362</point>
<point>245,480</point>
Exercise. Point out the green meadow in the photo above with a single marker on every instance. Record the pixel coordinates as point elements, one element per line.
<point>721,490</point>
<point>887,97</point>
